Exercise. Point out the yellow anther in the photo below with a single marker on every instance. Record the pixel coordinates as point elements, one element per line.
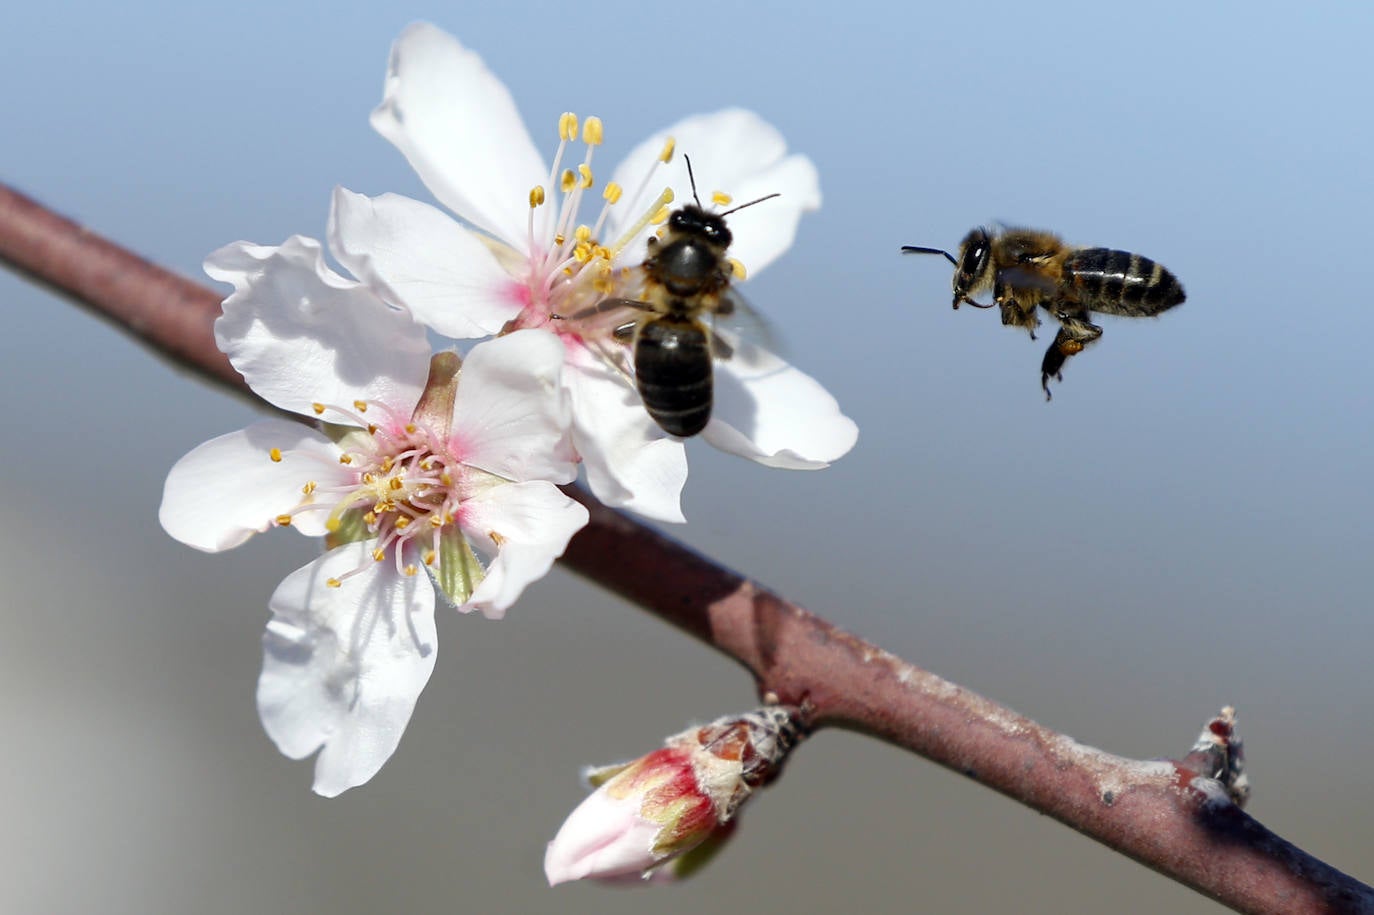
<point>559,239</point>
<point>283,520</point>
<point>410,428</point>
<point>720,198</point>
<point>369,478</point>
<point>666,155</point>
<point>372,428</point>
<point>592,133</point>
<point>585,171</point>
<point>428,557</point>
<point>613,193</point>
<point>345,459</point>
<point>333,525</point>
<point>448,517</point>
<point>496,538</point>
<point>395,483</point>
<point>568,181</point>
<point>536,196</point>
<point>369,519</point>
<point>310,487</point>
<point>360,406</point>
<point>633,231</point>
<point>426,464</point>
<point>388,462</point>
<point>333,583</point>
<point>318,408</point>
<point>567,126</point>
<point>446,478</point>
<point>275,455</point>
<point>436,521</point>
<point>379,554</point>
<point>412,570</point>
<point>583,233</point>
<point>402,523</point>
<point>582,252</point>
<point>737,268</point>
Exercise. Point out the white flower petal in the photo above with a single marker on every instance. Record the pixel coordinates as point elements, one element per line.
<point>458,126</point>
<point>419,257</point>
<point>774,414</point>
<point>533,522</point>
<point>737,152</point>
<point>631,463</point>
<point>342,667</point>
<point>605,838</point>
<point>300,333</point>
<point>511,416</point>
<point>229,488</point>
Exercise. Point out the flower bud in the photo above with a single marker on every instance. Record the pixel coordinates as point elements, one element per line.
<point>662,816</point>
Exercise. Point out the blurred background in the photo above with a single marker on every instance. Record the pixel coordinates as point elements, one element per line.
<point>1187,525</point>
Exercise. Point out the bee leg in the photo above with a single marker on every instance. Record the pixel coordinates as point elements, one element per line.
<point>1074,334</point>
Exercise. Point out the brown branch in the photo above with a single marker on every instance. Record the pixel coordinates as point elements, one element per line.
<point>1173,816</point>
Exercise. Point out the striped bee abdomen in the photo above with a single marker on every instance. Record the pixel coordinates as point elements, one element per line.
<point>674,374</point>
<point>1121,283</point>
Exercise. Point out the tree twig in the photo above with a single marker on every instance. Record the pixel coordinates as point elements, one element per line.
<point>1177,817</point>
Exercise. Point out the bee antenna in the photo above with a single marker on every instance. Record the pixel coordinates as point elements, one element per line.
<point>692,178</point>
<point>913,249</point>
<point>749,204</point>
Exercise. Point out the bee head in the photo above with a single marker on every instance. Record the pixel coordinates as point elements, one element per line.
<point>694,222</point>
<point>972,269</point>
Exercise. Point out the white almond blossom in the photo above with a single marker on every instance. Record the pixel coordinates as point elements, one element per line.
<point>418,466</point>
<point>526,259</point>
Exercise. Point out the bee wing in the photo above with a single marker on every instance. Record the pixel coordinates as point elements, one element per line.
<point>736,320</point>
<point>1029,278</point>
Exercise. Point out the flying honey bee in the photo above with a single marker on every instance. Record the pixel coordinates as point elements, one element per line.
<point>1026,268</point>
<point>686,278</point>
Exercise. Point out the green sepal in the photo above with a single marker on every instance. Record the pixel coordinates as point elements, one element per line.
<point>456,571</point>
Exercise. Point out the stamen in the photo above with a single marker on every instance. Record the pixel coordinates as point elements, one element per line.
<point>345,459</point>
<point>720,198</point>
<point>360,406</point>
<point>585,171</point>
<point>592,133</point>
<point>275,455</point>
<point>661,204</point>
<point>318,408</point>
<point>536,196</point>
<point>283,520</point>
<point>568,181</point>
<point>612,193</point>
<point>379,554</point>
<point>666,154</point>
<point>567,126</point>
<point>737,268</point>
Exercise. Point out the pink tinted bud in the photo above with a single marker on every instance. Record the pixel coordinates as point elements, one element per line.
<point>674,805</point>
